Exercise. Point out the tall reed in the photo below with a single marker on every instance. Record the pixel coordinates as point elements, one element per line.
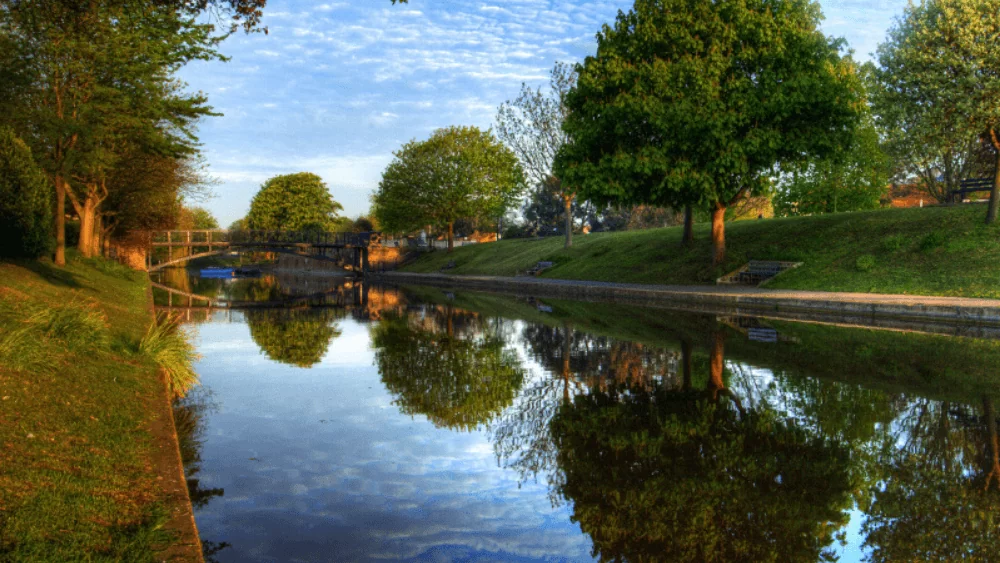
<point>168,345</point>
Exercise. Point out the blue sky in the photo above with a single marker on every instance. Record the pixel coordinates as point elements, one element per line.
<point>335,87</point>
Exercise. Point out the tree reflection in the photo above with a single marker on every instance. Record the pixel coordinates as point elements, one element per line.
<point>938,497</point>
<point>189,413</point>
<point>298,337</point>
<point>453,367</point>
<point>664,471</point>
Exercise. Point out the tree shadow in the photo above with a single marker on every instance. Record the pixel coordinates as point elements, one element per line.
<point>51,274</point>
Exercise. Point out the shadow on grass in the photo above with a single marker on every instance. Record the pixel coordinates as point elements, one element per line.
<point>51,274</point>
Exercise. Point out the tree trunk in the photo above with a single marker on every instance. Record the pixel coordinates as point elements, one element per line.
<point>565,361</point>
<point>87,211</point>
<point>991,213</point>
<point>60,255</point>
<point>95,243</point>
<point>716,363</point>
<point>451,236</point>
<point>688,226</point>
<point>568,201</point>
<point>993,460</point>
<point>718,234</point>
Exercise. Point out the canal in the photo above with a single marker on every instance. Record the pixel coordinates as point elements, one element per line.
<point>338,422</point>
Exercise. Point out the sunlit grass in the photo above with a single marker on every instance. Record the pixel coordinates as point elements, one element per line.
<point>75,395</point>
<point>168,345</point>
<point>924,251</point>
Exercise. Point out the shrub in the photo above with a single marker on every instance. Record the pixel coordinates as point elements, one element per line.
<point>893,243</point>
<point>865,263</point>
<point>932,241</point>
<point>25,201</point>
<point>166,344</point>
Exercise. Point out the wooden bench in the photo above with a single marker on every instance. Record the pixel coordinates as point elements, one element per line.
<point>971,185</point>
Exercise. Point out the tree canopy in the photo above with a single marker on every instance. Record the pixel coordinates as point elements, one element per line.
<point>853,180</point>
<point>25,200</point>
<point>458,173</point>
<point>294,202</point>
<point>694,102</point>
<point>94,82</point>
<point>531,125</point>
<point>937,89</point>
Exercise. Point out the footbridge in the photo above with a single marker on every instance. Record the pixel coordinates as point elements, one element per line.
<point>168,248</point>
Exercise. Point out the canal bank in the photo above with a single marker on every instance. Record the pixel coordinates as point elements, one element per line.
<point>90,466</point>
<point>963,316</point>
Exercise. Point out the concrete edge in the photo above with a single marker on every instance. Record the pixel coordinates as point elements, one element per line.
<point>882,312</point>
<point>169,466</point>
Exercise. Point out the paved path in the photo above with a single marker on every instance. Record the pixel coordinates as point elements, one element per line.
<point>740,298</point>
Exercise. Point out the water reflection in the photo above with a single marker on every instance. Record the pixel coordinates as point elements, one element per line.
<point>454,367</point>
<point>652,436</point>
<point>298,337</point>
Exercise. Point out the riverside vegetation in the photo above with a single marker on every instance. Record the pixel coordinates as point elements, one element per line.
<point>79,360</point>
<point>920,251</point>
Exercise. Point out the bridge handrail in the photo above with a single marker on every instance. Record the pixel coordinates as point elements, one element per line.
<point>263,237</point>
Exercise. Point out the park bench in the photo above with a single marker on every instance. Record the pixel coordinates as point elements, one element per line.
<point>537,268</point>
<point>971,185</point>
<point>756,272</point>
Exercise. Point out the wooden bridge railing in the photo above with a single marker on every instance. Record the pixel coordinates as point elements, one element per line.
<point>220,238</point>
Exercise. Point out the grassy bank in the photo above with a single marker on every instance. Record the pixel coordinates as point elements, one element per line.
<point>921,251</point>
<point>77,400</point>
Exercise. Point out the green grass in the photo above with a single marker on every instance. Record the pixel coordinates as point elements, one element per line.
<point>920,251</point>
<point>75,477</point>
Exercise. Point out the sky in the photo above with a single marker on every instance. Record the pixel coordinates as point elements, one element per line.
<point>334,88</point>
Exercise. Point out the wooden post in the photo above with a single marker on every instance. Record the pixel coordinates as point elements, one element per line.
<point>364,259</point>
<point>170,248</point>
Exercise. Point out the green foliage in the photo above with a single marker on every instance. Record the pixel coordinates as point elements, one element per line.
<point>933,240</point>
<point>202,219</point>
<point>458,173</point>
<point>691,102</point>
<point>25,201</point>
<point>168,345</point>
<point>937,90</point>
<point>865,263</point>
<point>294,337</point>
<point>459,377</point>
<point>661,474</point>
<point>294,202</point>
<point>854,180</point>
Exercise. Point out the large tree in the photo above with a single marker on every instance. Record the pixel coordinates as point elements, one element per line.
<point>458,173</point>
<point>294,202</point>
<point>938,90</point>
<point>694,102</point>
<point>94,81</point>
<point>531,125</point>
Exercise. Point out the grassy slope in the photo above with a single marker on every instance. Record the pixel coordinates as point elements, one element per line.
<point>75,481</point>
<point>928,251</point>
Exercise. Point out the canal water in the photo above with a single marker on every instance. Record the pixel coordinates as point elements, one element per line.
<point>337,422</point>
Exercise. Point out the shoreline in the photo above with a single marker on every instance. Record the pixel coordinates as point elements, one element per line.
<point>957,316</point>
<point>169,468</point>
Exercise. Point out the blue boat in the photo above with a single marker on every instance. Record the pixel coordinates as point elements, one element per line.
<point>217,272</point>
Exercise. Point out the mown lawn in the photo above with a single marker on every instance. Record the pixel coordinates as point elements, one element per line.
<point>75,477</point>
<point>922,251</point>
